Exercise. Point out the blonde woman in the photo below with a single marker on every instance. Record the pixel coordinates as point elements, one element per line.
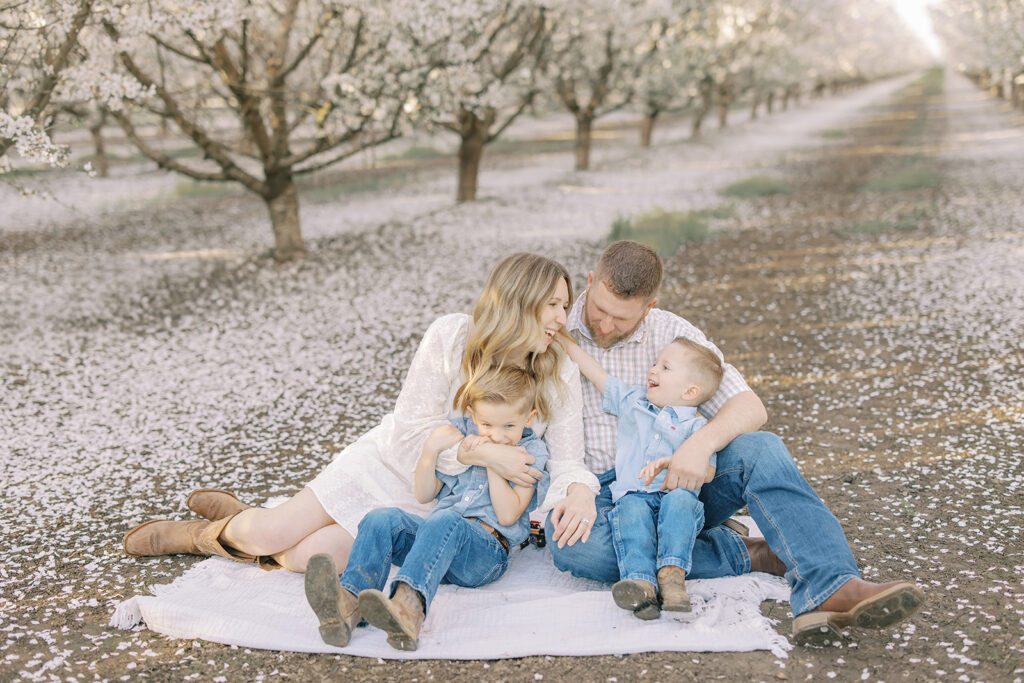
<point>519,313</point>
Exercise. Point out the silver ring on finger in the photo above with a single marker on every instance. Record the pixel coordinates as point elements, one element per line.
<point>585,521</point>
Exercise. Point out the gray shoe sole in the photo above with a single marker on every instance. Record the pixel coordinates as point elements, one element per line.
<point>322,592</point>
<point>376,608</point>
<point>631,596</point>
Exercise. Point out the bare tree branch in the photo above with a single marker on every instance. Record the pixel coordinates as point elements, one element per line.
<point>163,160</point>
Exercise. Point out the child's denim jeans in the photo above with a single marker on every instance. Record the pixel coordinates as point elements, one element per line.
<point>654,529</point>
<point>443,548</point>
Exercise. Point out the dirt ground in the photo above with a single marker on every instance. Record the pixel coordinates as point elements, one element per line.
<point>876,307</point>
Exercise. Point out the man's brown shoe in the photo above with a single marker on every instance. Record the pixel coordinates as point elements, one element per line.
<point>214,504</point>
<point>401,616</point>
<point>335,607</point>
<point>196,537</point>
<point>638,596</point>
<point>762,559</point>
<point>857,603</point>
<point>672,586</point>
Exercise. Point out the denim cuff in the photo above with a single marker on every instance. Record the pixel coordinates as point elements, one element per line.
<point>640,576</point>
<point>734,548</point>
<point>675,562</point>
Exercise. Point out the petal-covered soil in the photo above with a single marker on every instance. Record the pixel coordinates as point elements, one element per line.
<point>150,347</point>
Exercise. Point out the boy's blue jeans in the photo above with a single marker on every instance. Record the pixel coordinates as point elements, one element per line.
<point>754,470</point>
<point>654,529</point>
<point>443,548</point>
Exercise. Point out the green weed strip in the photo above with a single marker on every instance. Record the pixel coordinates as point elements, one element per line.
<point>667,231</point>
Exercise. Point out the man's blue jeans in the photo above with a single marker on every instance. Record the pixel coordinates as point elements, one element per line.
<point>754,470</point>
<point>443,548</point>
<point>655,529</point>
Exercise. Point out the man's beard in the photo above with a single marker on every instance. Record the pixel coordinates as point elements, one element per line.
<point>605,341</point>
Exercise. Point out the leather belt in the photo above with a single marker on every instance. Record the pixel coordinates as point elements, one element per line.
<point>494,532</point>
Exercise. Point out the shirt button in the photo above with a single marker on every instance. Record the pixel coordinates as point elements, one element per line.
<point>481,486</point>
<point>657,436</point>
<point>466,499</point>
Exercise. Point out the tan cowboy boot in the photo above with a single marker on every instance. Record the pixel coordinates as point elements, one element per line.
<point>637,596</point>
<point>164,537</point>
<point>335,607</point>
<point>401,616</point>
<point>214,504</point>
<point>672,586</point>
<point>857,603</point>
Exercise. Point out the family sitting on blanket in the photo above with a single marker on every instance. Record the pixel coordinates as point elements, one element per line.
<point>527,304</point>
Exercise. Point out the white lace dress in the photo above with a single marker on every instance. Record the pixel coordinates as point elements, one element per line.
<point>377,469</point>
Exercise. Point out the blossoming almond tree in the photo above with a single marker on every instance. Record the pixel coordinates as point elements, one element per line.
<point>38,41</point>
<point>489,76</point>
<point>264,91</point>
<point>598,50</point>
<point>986,38</point>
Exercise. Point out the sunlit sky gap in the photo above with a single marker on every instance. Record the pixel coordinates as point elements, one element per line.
<point>915,13</point>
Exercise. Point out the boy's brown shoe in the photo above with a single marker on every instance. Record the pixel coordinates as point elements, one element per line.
<point>335,607</point>
<point>868,605</point>
<point>401,616</point>
<point>672,586</point>
<point>637,596</point>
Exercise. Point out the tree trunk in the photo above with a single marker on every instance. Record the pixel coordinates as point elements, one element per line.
<point>473,132</point>
<point>648,127</point>
<point>753,107</point>
<point>770,101</point>
<point>96,131</point>
<point>584,124</point>
<point>283,204</point>
<point>705,107</point>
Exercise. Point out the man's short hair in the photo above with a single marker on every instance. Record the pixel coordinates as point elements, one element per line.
<point>706,363</point>
<point>630,270</point>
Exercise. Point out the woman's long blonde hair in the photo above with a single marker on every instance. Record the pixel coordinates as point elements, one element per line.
<point>506,319</point>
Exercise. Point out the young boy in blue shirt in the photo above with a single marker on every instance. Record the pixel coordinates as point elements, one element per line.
<point>654,530</point>
<point>466,538</point>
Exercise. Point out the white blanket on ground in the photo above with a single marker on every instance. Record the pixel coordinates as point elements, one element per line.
<point>533,610</point>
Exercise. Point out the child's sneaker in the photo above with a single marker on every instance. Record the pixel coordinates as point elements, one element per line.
<point>672,586</point>
<point>637,596</point>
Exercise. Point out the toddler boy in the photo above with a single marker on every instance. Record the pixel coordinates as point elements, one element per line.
<point>654,530</point>
<point>465,539</point>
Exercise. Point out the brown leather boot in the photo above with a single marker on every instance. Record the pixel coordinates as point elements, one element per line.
<point>672,586</point>
<point>401,616</point>
<point>214,504</point>
<point>762,559</point>
<point>335,607</point>
<point>857,603</point>
<point>164,537</point>
<point>637,596</point>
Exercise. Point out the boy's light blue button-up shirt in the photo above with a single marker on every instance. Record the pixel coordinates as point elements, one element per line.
<point>645,433</point>
<point>469,494</point>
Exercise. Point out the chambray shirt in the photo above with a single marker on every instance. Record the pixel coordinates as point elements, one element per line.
<point>469,494</point>
<point>629,360</point>
<point>646,433</point>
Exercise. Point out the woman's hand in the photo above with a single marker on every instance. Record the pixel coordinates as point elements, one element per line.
<point>511,463</point>
<point>573,517</point>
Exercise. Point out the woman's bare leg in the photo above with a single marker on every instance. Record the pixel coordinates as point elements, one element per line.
<point>267,531</point>
<point>332,539</point>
